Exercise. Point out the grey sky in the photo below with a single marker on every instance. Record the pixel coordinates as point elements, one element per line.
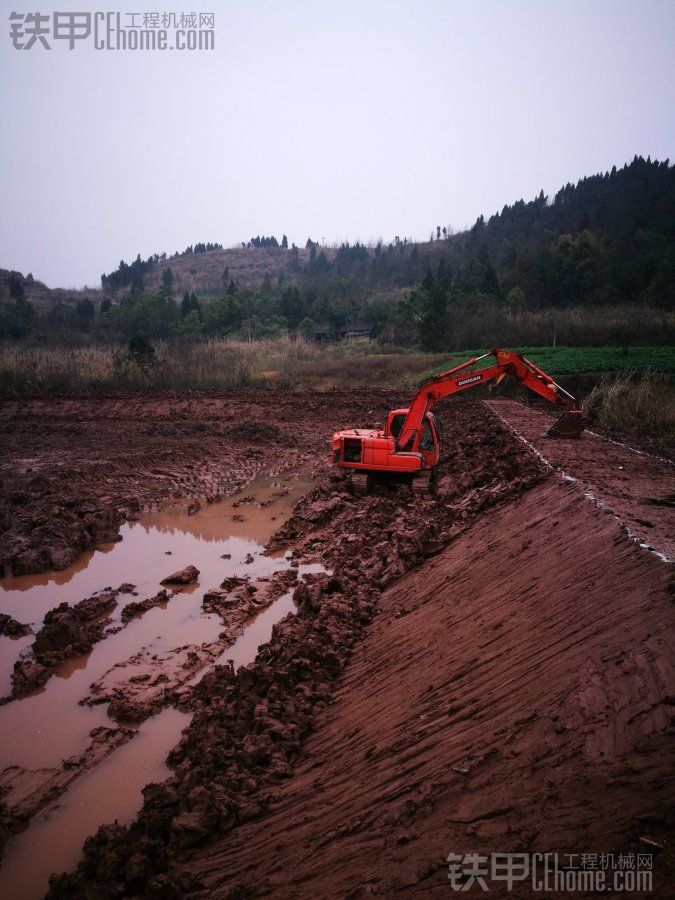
<point>339,120</point>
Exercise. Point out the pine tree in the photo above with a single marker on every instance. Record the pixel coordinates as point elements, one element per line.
<point>16,291</point>
<point>84,313</point>
<point>433,302</point>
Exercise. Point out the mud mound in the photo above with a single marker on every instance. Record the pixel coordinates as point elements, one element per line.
<point>33,542</point>
<point>11,628</point>
<point>67,631</point>
<point>242,598</point>
<point>137,608</point>
<point>248,432</point>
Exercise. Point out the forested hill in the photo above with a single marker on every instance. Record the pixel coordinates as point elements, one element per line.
<point>609,238</point>
<point>606,242</point>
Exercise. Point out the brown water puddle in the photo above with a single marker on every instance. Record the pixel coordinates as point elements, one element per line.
<point>112,791</point>
<point>49,726</point>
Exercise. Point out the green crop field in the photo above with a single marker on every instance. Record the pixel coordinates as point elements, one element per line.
<point>571,360</point>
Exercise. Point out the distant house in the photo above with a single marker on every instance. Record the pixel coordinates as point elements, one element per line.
<point>322,332</point>
<point>357,329</point>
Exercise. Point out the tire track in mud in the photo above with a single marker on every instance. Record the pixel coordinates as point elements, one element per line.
<point>72,470</point>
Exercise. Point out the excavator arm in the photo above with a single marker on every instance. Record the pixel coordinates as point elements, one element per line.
<point>458,379</point>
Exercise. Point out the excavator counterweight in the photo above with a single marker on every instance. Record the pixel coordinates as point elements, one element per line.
<point>411,439</point>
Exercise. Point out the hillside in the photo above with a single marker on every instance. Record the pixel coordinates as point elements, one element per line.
<point>609,238</point>
<point>593,265</point>
<point>208,273</point>
<point>41,297</point>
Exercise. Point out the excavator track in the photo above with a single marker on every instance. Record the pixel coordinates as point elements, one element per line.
<point>383,482</point>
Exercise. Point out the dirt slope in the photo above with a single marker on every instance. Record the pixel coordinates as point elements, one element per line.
<point>633,485</point>
<point>520,703</point>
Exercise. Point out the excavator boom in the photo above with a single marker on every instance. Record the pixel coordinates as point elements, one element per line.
<point>458,379</point>
<point>411,438</point>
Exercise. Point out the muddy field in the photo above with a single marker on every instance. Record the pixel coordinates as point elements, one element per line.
<point>236,675</point>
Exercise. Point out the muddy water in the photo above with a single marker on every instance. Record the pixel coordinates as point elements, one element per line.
<point>49,726</point>
<point>111,791</point>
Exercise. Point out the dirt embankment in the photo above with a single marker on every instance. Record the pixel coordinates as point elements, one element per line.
<point>637,487</point>
<point>513,694</point>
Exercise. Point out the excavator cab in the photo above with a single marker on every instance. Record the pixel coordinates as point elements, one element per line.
<point>431,441</point>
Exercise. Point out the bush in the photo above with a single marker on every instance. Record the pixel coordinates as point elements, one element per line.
<point>141,351</point>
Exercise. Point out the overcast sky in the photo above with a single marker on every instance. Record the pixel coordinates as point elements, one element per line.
<point>340,120</point>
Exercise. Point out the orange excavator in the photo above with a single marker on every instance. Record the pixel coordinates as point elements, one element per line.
<point>411,440</point>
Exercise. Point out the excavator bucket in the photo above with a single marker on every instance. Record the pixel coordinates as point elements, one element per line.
<point>569,425</point>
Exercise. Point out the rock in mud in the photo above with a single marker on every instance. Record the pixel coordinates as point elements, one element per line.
<point>137,608</point>
<point>188,575</point>
<point>9,627</point>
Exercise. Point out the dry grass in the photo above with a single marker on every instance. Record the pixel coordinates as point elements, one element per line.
<point>391,370</point>
<point>207,365</point>
<point>638,403</point>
